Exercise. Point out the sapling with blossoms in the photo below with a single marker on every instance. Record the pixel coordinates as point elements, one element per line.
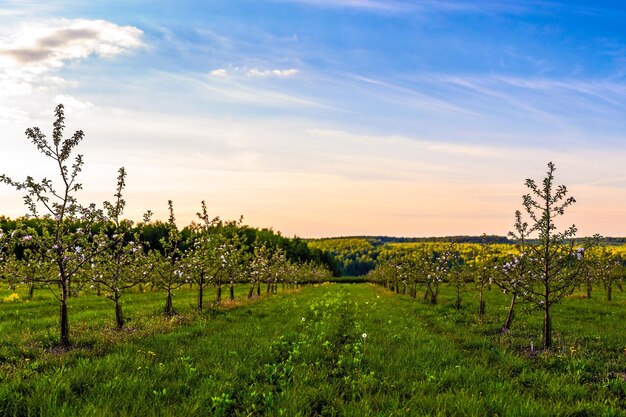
<point>168,265</point>
<point>589,273</point>
<point>259,268</point>
<point>65,247</point>
<point>608,270</point>
<point>394,269</point>
<point>513,273</point>
<point>204,262</point>
<point>483,263</point>
<point>229,255</point>
<point>308,272</point>
<point>412,267</point>
<point>232,257</point>
<point>457,275</point>
<point>278,268</point>
<point>394,273</point>
<point>554,264</point>
<point>124,263</point>
<point>234,261</point>
<point>437,272</point>
<point>404,268</point>
<point>292,270</point>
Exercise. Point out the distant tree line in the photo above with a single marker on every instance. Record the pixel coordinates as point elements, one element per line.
<point>151,235</point>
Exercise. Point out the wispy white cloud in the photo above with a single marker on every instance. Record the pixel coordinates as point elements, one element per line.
<point>413,96</point>
<point>239,93</point>
<point>422,7</point>
<point>375,5</point>
<point>219,73</point>
<point>440,147</point>
<point>613,93</point>
<point>280,73</point>
<point>50,45</point>
<point>31,57</point>
<point>253,72</point>
<point>210,89</point>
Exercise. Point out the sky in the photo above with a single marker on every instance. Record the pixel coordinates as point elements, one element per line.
<point>324,118</point>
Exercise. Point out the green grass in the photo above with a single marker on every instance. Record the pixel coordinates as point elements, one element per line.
<point>302,353</point>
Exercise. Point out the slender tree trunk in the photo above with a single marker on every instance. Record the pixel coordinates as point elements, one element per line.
<point>457,304</point>
<point>119,317</point>
<point>219,291</point>
<point>251,290</point>
<point>433,297</point>
<point>481,301</point>
<point>609,291</point>
<point>232,291</point>
<point>169,309</point>
<point>509,316</point>
<point>269,286</point>
<point>201,292</point>
<point>547,328</point>
<point>258,289</point>
<point>31,290</point>
<point>589,290</point>
<point>65,325</point>
<point>547,320</point>
<point>98,292</point>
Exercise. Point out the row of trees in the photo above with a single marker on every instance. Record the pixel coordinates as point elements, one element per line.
<point>540,271</point>
<point>65,245</point>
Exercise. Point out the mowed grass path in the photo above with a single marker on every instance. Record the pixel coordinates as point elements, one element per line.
<point>304,354</point>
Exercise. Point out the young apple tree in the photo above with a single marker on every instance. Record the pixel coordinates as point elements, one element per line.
<point>438,270</point>
<point>458,275</point>
<point>260,268</point>
<point>123,264</point>
<point>204,263</point>
<point>553,265</point>
<point>234,261</point>
<point>169,264</point>
<point>608,270</point>
<point>483,270</point>
<point>67,247</point>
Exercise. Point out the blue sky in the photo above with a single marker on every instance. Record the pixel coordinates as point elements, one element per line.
<point>327,117</point>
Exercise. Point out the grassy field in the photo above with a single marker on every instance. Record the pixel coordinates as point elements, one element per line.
<point>303,353</point>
